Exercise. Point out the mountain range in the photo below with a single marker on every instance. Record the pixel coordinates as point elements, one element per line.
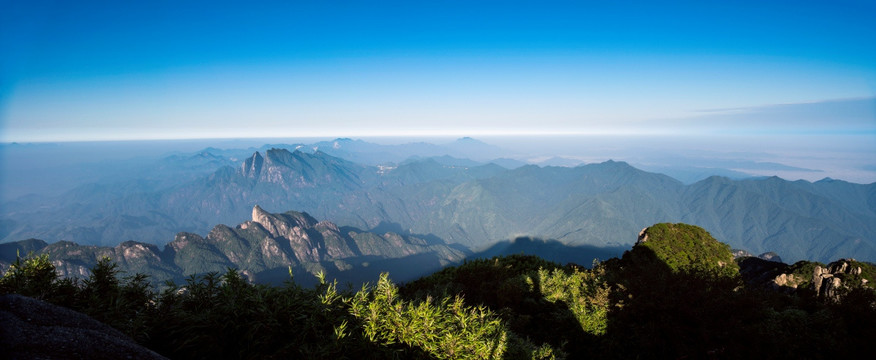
<point>456,201</point>
<point>266,249</point>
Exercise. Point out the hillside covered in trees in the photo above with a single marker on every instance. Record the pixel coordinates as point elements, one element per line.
<point>677,293</point>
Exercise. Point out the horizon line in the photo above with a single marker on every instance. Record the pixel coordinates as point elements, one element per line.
<point>428,135</point>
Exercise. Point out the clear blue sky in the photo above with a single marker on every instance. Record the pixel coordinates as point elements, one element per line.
<point>90,70</point>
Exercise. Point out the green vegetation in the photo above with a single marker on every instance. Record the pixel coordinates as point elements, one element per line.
<point>224,316</point>
<point>685,247</point>
<point>867,275</point>
<point>668,297</point>
<point>561,306</point>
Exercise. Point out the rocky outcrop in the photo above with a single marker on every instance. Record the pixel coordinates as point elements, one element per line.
<point>828,281</point>
<point>787,281</point>
<point>643,236</point>
<point>33,329</point>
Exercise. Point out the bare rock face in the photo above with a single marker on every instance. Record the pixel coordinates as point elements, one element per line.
<point>252,167</point>
<point>643,236</point>
<point>786,280</point>
<point>828,280</point>
<point>34,329</point>
<point>282,227</point>
<point>291,227</point>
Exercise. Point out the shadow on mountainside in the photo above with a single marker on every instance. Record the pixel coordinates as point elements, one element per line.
<point>356,271</point>
<point>658,312</point>
<point>431,239</point>
<point>551,250</point>
<point>654,310</point>
<point>400,269</point>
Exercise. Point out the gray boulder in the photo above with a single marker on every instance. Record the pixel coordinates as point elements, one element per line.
<point>34,329</point>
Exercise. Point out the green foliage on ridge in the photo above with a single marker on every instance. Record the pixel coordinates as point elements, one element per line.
<point>685,247</point>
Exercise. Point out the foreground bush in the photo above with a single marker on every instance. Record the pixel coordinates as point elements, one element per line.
<point>224,316</point>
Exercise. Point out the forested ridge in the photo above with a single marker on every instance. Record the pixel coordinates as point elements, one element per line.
<point>677,293</point>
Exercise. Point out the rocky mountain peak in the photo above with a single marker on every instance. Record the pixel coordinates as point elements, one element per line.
<point>290,225</point>
<point>259,214</point>
<point>252,167</point>
<point>273,225</point>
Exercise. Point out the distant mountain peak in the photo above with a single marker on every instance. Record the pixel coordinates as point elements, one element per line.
<point>716,179</point>
<point>340,142</point>
<point>252,167</point>
<point>611,162</point>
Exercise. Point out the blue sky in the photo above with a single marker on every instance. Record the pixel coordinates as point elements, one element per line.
<point>92,70</point>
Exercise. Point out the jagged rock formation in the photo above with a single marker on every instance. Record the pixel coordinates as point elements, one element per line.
<point>33,329</point>
<point>787,281</point>
<point>263,248</point>
<point>829,281</point>
<point>270,241</point>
